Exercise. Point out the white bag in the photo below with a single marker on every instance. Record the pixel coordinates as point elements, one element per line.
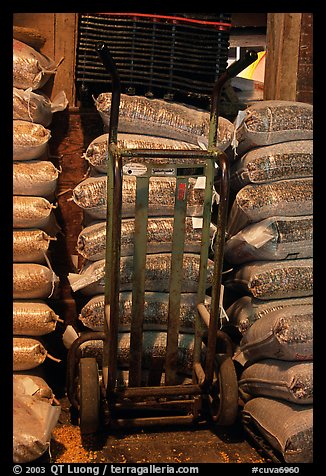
<point>30,246</point>
<point>37,107</point>
<point>33,281</point>
<point>33,422</point>
<point>36,178</point>
<point>34,212</point>
<point>31,69</point>
<point>30,141</point>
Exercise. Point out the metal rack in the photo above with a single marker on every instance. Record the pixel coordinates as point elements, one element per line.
<point>154,53</point>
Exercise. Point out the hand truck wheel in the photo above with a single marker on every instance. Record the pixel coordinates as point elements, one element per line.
<point>223,397</point>
<point>89,396</point>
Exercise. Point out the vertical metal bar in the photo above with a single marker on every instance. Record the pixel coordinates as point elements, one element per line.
<point>204,252</point>
<point>176,278</point>
<point>110,66</point>
<point>138,287</point>
<point>218,267</point>
<point>112,269</point>
<point>230,72</point>
<point>113,229</point>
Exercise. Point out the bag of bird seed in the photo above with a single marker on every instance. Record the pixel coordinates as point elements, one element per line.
<point>273,279</point>
<point>156,117</point>
<point>155,311</point>
<point>157,274</point>
<point>37,178</point>
<point>256,202</point>
<point>31,69</point>
<point>272,122</point>
<point>30,246</point>
<point>289,381</point>
<point>30,141</point>
<point>34,212</point>
<point>91,196</point>
<point>32,385</point>
<point>285,334</point>
<point>287,427</point>
<point>91,241</point>
<point>287,160</point>
<point>97,151</point>
<point>28,353</point>
<point>33,318</point>
<point>33,281</point>
<point>274,238</point>
<point>33,422</point>
<point>36,106</point>
<point>153,347</point>
<point>246,310</point>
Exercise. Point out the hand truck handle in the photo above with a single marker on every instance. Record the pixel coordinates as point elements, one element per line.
<point>111,68</point>
<point>233,70</point>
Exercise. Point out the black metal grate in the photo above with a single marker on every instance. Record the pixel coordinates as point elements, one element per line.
<point>173,56</point>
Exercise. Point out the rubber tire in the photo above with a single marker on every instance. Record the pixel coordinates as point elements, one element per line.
<point>224,396</point>
<point>89,396</point>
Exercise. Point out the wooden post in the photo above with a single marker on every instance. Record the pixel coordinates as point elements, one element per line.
<point>65,42</point>
<point>289,56</point>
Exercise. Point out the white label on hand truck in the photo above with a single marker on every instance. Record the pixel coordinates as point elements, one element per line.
<point>200,182</point>
<point>170,172</point>
<point>134,169</point>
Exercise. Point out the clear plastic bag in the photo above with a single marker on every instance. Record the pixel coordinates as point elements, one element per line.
<point>155,311</point>
<point>287,160</point>
<point>272,122</point>
<point>32,318</point>
<point>36,106</point>
<point>92,239</point>
<point>30,246</point>
<point>97,151</point>
<point>91,196</point>
<point>273,279</point>
<point>155,117</point>
<point>154,346</point>
<point>254,203</point>
<point>34,212</point>
<point>33,281</point>
<point>157,275</point>
<point>275,238</point>
<point>28,353</point>
<point>30,141</point>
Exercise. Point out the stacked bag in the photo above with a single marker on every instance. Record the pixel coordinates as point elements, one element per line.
<point>269,247</point>
<point>151,124</point>
<point>34,281</point>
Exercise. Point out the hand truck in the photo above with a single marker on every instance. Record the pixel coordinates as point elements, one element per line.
<point>213,391</point>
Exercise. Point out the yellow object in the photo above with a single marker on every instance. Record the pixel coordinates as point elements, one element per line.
<point>248,72</point>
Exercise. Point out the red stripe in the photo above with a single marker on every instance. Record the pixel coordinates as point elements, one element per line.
<point>222,25</point>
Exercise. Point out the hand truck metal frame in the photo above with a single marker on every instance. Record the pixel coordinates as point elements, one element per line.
<point>213,392</point>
